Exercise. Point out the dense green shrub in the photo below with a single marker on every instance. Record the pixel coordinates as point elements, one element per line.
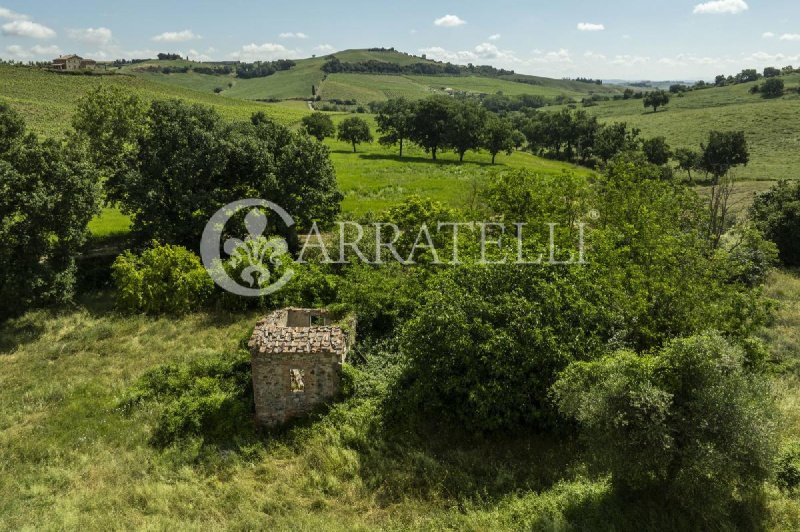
<point>787,474</point>
<point>689,422</point>
<point>164,278</point>
<point>48,194</point>
<point>486,342</point>
<point>210,399</point>
<point>777,214</point>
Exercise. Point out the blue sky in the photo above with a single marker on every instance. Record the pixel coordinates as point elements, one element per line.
<point>659,39</point>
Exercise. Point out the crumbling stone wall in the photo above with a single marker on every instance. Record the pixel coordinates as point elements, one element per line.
<point>296,357</point>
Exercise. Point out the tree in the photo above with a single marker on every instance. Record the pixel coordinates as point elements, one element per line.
<point>466,127</point>
<point>771,72</point>
<point>772,88</point>
<point>720,81</point>
<point>318,125</point>
<point>656,99</point>
<point>355,131</point>
<point>432,123</point>
<point>688,160</point>
<point>396,121</point>
<point>191,163</point>
<point>110,120</point>
<point>666,423</point>
<point>657,150</point>
<point>613,139</point>
<point>777,213</point>
<point>723,152</point>
<point>498,136</point>
<point>48,194</point>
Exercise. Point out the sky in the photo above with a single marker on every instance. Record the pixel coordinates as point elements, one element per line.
<point>634,40</point>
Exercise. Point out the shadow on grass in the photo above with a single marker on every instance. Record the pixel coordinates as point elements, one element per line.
<point>414,159</point>
<point>16,332</point>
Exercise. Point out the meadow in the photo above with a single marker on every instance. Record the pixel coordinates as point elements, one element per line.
<point>770,125</point>
<point>74,457</point>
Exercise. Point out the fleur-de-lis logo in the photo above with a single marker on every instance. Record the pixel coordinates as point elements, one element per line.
<point>258,256</point>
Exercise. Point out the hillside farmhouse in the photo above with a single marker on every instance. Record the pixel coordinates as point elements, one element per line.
<point>73,62</point>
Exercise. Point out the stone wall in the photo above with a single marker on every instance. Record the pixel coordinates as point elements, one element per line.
<point>296,357</point>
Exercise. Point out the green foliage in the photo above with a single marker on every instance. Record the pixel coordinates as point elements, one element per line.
<point>209,399</point>
<point>355,131</point>
<point>164,278</point>
<point>48,194</point>
<point>777,214</point>
<point>110,120</point>
<point>656,99</point>
<point>689,423</point>
<point>395,121</point>
<point>614,139</point>
<point>319,125</point>
<point>688,160</point>
<point>747,255</point>
<point>431,124</point>
<point>498,136</point>
<point>190,164</point>
<point>657,150</point>
<point>466,127</point>
<point>772,88</point>
<point>787,473</point>
<point>723,151</point>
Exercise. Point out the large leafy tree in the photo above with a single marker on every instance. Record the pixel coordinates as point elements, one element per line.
<point>354,130</point>
<point>466,127</point>
<point>48,194</point>
<point>190,163</point>
<point>777,213</point>
<point>656,99</point>
<point>110,120</point>
<point>498,136</point>
<point>432,124</point>
<point>318,125</point>
<point>657,151</point>
<point>395,122</point>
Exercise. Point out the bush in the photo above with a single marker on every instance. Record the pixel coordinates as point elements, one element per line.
<point>787,474</point>
<point>48,194</point>
<point>210,399</point>
<point>164,278</point>
<point>689,423</point>
<point>777,214</point>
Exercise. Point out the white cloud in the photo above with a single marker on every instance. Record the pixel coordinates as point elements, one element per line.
<point>99,36</point>
<point>26,28</point>
<point>264,52</point>
<point>293,35</point>
<point>594,56</point>
<point>176,36</point>
<point>717,7</point>
<point>494,37</point>
<point>790,37</point>
<point>324,48</point>
<point>588,26</point>
<point>449,21</point>
<point>767,35</point>
<point>38,50</point>
<point>560,56</point>
<point>11,15</point>
<point>194,55</point>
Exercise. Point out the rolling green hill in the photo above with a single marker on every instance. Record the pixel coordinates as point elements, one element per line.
<point>47,100</point>
<point>296,83</point>
<point>771,125</point>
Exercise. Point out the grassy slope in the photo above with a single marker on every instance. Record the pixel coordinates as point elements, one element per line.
<point>72,459</point>
<point>47,100</point>
<point>772,126</point>
<point>297,82</point>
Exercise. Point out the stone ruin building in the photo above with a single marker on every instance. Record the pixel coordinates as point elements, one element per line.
<point>296,357</point>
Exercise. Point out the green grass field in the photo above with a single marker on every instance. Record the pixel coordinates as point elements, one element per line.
<point>47,100</point>
<point>72,459</point>
<point>364,88</point>
<point>771,126</point>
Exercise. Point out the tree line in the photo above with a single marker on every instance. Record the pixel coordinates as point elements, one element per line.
<point>335,66</point>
